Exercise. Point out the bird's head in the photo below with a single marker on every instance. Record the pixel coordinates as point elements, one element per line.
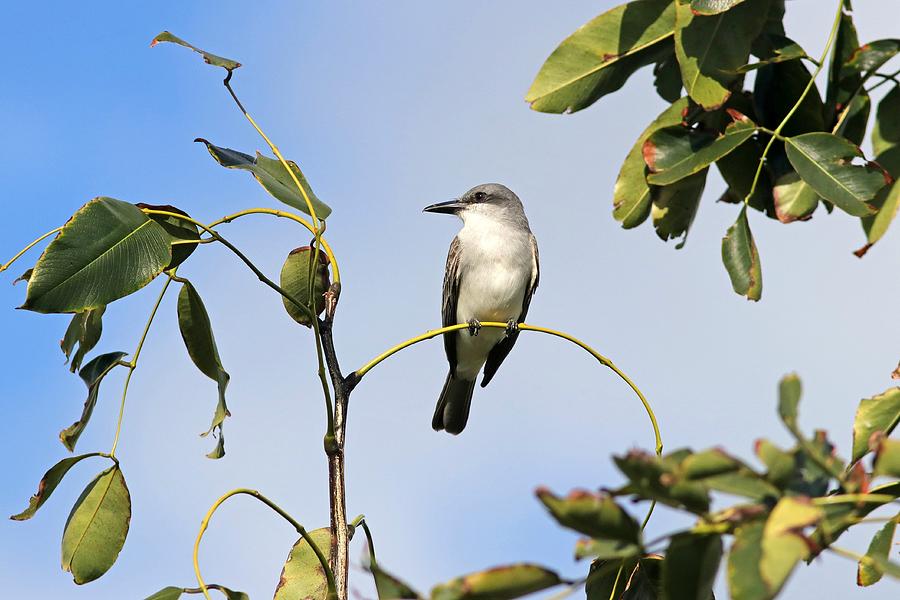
<point>491,200</point>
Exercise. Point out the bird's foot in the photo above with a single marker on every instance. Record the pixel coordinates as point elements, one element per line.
<point>474,327</point>
<point>511,326</point>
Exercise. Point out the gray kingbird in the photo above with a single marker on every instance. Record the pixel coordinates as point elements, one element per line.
<point>492,272</point>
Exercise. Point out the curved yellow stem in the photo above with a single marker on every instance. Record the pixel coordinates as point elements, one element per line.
<point>9,263</point>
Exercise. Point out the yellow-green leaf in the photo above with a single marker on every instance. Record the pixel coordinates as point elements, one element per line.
<point>741,258</point>
<point>210,59</point>
<point>500,583</point>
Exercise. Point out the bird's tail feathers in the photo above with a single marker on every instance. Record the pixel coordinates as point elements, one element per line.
<point>452,410</point>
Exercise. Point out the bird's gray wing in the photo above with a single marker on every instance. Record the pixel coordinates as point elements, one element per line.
<point>448,305</point>
<point>498,353</point>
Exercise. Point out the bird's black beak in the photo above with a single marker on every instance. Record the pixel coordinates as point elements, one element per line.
<point>450,208</point>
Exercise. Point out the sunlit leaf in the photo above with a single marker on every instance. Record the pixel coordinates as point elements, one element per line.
<point>880,546</point>
<point>652,478</point>
<point>870,57</point>
<point>211,59</point>
<point>97,526</point>
<point>595,515</point>
<point>295,281</point>
<point>196,330</point>
<point>783,543</point>
<point>107,250</point>
<point>840,517</point>
<point>794,199</point>
<point>605,549</point>
<point>713,7</point>
<point>84,330</point>
<point>878,413</point>
<point>92,374</point>
<point>690,566</point>
<point>48,484</point>
<point>675,206</point>
<point>887,456</point>
<point>167,593</point>
<point>178,229</point>
<point>272,175</point>
<point>780,464</point>
<point>499,583</point>
<point>741,259</point>
<point>390,587</point>
<point>744,579</point>
<point>303,575</point>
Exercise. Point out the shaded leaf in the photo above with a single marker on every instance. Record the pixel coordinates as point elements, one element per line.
<point>652,478</point>
<point>389,587</point>
<point>780,464</point>
<point>711,48</point>
<point>210,59</point>
<point>794,199</point>
<point>499,583</point>
<point>738,168</point>
<point>870,57</point>
<point>741,259</point>
<point>96,529</point>
<point>709,463</point>
<point>886,132</point>
<point>605,549</point>
<point>167,593</point>
<point>23,277</point>
<point>842,81</point>
<point>84,330</point>
<point>601,55</point>
<point>880,546</point>
<point>295,281</point>
<point>690,566</point>
<point>271,174</point>
<point>48,484</point>
<point>108,250</point>
<point>196,331</point>
<point>772,48</point>
<point>303,575</point>
<point>631,195</point>
<point>854,119</point>
<point>887,456</point>
<point>878,413</point>
<point>92,374</point>
<point>178,229</point>
<point>633,579</point>
<point>840,517</point>
<point>595,515</point>
<point>675,206</point>
<point>776,90</point>
<point>667,78</point>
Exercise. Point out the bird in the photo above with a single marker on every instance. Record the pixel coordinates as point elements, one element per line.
<point>492,272</point>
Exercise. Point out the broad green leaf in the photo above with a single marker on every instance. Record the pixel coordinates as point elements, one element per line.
<point>676,152</point>
<point>210,59</point>
<point>887,457</point>
<point>602,54</point>
<point>632,579</point>
<point>738,168</point>
<point>789,391</point>
<point>631,195</point>
<point>867,573</point>
<point>97,526</point>
<point>783,544</point>
<point>499,583</point>
<point>772,48</point>
<point>690,566</point>
<point>675,206</point>
<point>776,90</point>
<point>713,7</point>
<point>822,160</point>
<point>272,175</point>
<point>780,464</point>
<point>303,575</point>
<point>605,549</point>
<point>741,259</point>
<point>48,484</point>
<point>167,593</point>
<point>744,579</point>
<point>854,119</point>
<point>667,78</point>
<point>595,515</point>
<point>709,463</point>
<point>870,57</point>
<point>878,413</point>
<point>108,250</point>
<point>886,132</point>
<point>842,81</point>
<point>92,374</point>
<point>652,478</point>
<point>178,229</point>
<point>389,587</point>
<point>794,199</point>
<point>295,281</point>
<point>85,330</point>
<point>745,483</point>
<point>196,330</point>
<point>840,517</point>
<point>711,48</point>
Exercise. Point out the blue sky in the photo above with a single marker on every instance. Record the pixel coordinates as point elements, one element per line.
<point>388,108</point>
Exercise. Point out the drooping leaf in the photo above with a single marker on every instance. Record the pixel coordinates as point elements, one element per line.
<point>97,526</point>
<point>880,546</point>
<point>667,78</point>
<point>676,152</point>
<point>108,250</point>
<point>772,48</point>
<point>595,515</point>
<point>196,331</point>
<point>390,587</point>
<point>887,202</point>
<point>822,160</point>
<point>741,259</point>
<point>887,456</point>
<point>92,374</point>
<point>210,59</point>
<point>690,566</point>
<point>167,593</point>
<point>776,90</point>
<point>84,330</point>
<point>842,81</point>
<point>602,54</point>
<point>303,575</point>
<point>794,199</point>
<point>178,229</point>
<point>499,583</point>
<point>886,132</point>
<point>631,195</point>
<point>675,206</point>
<point>878,413</point>
<point>870,57</point>
<point>738,169</point>
<point>295,281</point>
<point>711,48</point>
<point>783,542</point>
<point>652,478</point>
<point>272,175</point>
<point>48,484</point>
<point>744,579</point>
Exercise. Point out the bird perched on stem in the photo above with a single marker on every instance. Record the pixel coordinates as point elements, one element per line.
<point>492,272</point>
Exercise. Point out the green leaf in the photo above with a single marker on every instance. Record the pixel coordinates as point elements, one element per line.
<point>167,593</point>
<point>794,199</point>
<point>887,456</point>
<point>48,484</point>
<point>840,517</point>
<point>744,579</point>
<point>776,90</point>
<point>676,152</point>
<point>878,413</point>
<point>854,119</point>
<point>85,330</point>
<point>886,132</point>
<point>97,526</point>
<point>822,160</point>
<point>690,566</point>
<point>667,78</point>
<point>870,57</point>
<point>499,583</point>
<point>210,59</point>
<point>741,259</point>
<point>631,195</point>
<point>92,374</point>
<point>711,48</point>
<point>789,391</point>
<point>675,206</point>
<point>605,549</point>
<point>713,7</point>
<point>108,250</point>
<point>888,203</point>
<point>738,169</point>
<point>709,463</point>
<point>272,175</point>
<point>842,81</point>
<point>783,543</point>
<point>295,281</point>
<point>196,330</point>
<point>880,547</point>
<point>632,579</point>
<point>389,587</point>
<point>602,54</point>
<point>178,229</point>
<point>595,515</point>
<point>652,478</point>
<point>780,464</point>
<point>772,48</point>
<point>303,575</point>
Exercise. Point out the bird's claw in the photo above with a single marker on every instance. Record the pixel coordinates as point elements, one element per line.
<point>512,326</point>
<point>474,327</point>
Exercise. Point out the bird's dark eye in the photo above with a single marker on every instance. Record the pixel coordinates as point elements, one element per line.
<point>480,196</point>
